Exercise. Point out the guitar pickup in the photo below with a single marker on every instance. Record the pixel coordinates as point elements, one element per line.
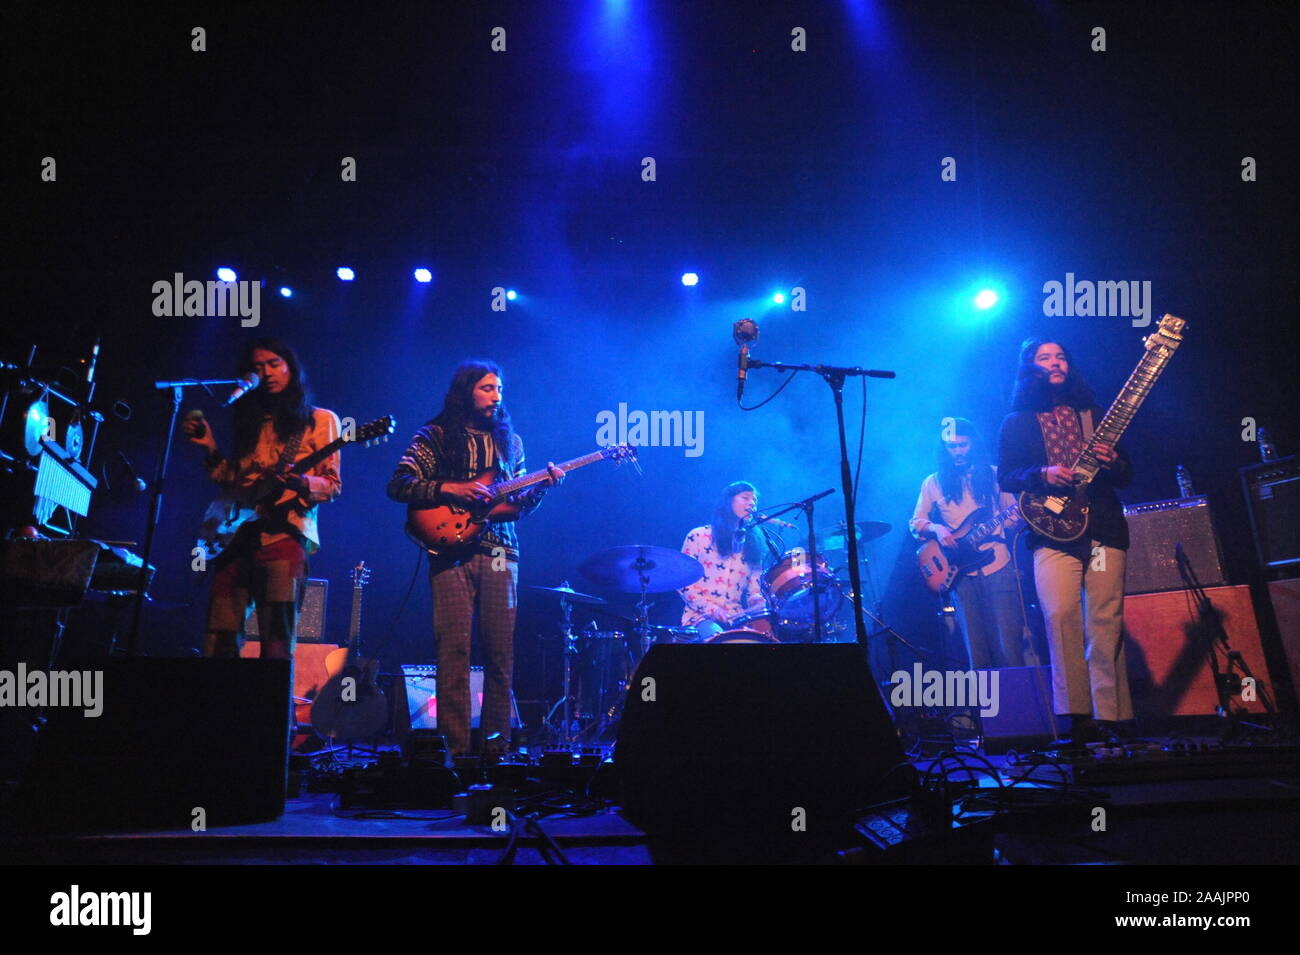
<point>1055,504</point>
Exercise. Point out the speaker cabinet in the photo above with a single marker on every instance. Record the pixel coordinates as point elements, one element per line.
<point>311,616</point>
<point>753,738</point>
<point>1168,651</point>
<point>1155,530</point>
<point>174,736</point>
<point>309,673</point>
<point>1273,499</point>
<point>1025,716</point>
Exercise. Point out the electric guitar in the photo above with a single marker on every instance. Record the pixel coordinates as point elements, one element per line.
<point>268,497</point>
<point>451,525</point>
<point>1062,514</point>
<point>940,567</point>
<point>351,705</point>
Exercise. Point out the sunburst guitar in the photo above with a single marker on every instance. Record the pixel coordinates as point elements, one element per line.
<point>448,526</point>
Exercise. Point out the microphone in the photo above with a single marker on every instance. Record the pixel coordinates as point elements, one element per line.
<point>742,333</point>
<point>246,384</point>
<point>764,519</point>
<point>140,485</point>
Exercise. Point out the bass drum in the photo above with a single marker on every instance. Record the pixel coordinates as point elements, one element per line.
<point>742,636</point>
<point>789,586</point>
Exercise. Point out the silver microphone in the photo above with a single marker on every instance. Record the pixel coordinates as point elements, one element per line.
<point>248,383</point>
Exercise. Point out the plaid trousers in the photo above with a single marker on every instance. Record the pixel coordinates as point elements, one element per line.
<point>460,587</point>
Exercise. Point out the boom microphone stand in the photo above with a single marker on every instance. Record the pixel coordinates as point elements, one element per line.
<point>155,498</point>
<point>834,376</point>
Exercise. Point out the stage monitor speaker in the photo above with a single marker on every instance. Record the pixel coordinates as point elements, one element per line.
<point>311,616</point>
<point>1025,717</point>
<point>174,736</point>
<point>1169,650</point>
<point>1155,529</point>
<point>422,697</point>
<point>1273,499</point>
<point>742,737</point>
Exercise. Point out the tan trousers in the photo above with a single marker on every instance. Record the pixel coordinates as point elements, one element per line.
<point>1082,596</point>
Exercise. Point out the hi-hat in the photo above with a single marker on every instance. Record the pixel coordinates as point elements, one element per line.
<point>627,568</point>
<point>568,593</point>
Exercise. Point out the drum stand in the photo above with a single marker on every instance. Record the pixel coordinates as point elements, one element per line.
<point>567,737</point>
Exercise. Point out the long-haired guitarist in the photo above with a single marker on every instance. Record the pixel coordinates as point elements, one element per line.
<point>987,597</point>
<point>444,465</point>
<point>266,562</point>
<point>1080,583</point>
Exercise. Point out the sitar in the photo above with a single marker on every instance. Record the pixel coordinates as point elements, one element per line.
<point>1062,514</point>
<point>443,526</point>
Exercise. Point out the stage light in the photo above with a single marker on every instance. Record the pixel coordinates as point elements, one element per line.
<point>226,274</point>
<point>286,291</point>
<point>986,299</point>
<point>778,298</point>
<point>423,275</point>
<point>690,278</point>
<point>512,295</point>
<point>345,273</point>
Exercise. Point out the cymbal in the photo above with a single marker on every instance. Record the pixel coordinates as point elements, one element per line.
<point>834,537</point>
<point>570,594</point>
<point>621,568</point>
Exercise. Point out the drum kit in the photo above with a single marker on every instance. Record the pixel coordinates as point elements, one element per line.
<point>599,664</point>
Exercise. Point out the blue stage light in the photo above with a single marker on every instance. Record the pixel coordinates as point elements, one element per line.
<point>778,298</point>
<point>226,274</point>
<point>690,278</point>
<point>423,275</point>
<point>345,273</point>
<point>512,295</point>
<point>986,299</point>
<point>286,291</point>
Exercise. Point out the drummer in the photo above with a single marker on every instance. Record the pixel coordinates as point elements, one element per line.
<point>732,573</point>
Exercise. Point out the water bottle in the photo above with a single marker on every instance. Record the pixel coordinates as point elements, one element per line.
<point>1185,488</point>
<point>1267,450</point>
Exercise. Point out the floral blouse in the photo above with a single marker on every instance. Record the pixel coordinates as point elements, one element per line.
<point>728,588</point>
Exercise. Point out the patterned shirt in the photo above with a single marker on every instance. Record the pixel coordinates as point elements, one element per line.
<point>429,460</point>
<point>728,588</point>
<point>323,483</point>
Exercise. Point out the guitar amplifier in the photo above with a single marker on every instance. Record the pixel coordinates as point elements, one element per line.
<point>1155,529</point>
<point>311,615</point>
<point>1273,499</point>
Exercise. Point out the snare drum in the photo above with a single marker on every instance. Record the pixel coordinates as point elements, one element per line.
<point>789,587</point>
<point>742,636</point>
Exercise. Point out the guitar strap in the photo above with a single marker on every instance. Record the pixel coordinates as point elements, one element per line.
<point>290,451</point>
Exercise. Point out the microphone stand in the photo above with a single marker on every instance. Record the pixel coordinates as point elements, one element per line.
<point>1226,682</point>
<point>834,376</point>
<point>155,498</point>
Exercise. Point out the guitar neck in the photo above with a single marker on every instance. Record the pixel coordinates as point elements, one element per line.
<point>354,628</point>
<point>990,527</point>
<point>506,488</point>
<point>1160,349</point>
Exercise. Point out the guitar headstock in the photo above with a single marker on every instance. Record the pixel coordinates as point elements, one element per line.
<point>377,430</point>
<point>1168,334</point>
<point>620,453</point>
<point>360,575</point>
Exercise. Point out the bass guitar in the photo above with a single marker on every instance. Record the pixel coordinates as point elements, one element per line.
<point>268,497</point>
<point>351,705</point>
<point>941,567</point>
<point>444,526</point>
<point>1062,514</point>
